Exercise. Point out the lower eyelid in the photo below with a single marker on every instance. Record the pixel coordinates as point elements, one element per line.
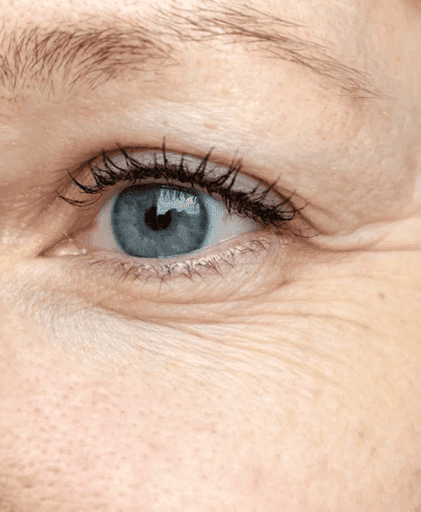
<point>256,244</point>
<point>255,264</point>
<point>116,284</point>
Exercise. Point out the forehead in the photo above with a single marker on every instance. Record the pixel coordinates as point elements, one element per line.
<point>75,10</point>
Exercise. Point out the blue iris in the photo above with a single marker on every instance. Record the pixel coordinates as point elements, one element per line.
<point>159,221</point>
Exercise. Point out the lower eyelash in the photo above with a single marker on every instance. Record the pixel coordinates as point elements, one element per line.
<point>123,270</point>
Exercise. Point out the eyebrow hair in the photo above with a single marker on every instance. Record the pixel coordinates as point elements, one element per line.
<point>413,3</point>
<point>102,48</point>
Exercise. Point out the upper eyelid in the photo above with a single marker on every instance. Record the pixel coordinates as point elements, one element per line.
<point>206,163</point>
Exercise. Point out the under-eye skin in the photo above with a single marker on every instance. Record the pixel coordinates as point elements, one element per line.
<point>181,177</point>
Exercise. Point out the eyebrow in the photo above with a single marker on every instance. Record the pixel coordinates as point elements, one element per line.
<point>82,57</point>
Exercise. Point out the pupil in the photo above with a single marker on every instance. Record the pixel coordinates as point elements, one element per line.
<point>157,222</point>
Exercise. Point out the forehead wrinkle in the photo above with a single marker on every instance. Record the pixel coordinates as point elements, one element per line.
<point>83,56</point>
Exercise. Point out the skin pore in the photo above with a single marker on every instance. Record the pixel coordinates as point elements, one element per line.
<point>289,382</point>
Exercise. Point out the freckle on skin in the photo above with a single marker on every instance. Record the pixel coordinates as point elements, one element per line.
<point>225,92</point>
<point>382,296</point>
<point>210,126</point>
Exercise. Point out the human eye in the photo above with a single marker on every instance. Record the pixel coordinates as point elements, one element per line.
<point>153,216</point>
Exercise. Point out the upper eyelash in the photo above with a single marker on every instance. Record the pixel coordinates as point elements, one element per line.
<point>247,204</point>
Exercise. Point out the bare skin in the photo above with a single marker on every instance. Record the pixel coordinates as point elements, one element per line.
<point>290,382</point>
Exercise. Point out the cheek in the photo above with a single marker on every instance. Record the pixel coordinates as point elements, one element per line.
<point>269,429</point>
<point>308,399</point>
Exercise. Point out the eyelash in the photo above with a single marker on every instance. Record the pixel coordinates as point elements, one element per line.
<point>249,204</point>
